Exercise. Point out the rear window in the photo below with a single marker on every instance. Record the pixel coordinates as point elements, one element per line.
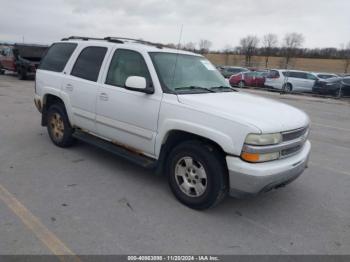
<point>57,57</point>
<point>273,74</point>
<point>88,63</point>
<point>325,76</point>
<point>235,70</point>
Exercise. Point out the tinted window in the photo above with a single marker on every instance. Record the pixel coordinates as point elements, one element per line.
<point>89,63</point>
<point>126,63</point>
<point>311,77</point>
<point>296,75</point>
<point>57,57</point>
<point>273,74</point>
<point>346,81</point>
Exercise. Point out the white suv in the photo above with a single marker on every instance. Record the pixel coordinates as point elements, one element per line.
<point>172,111</point>
<point>291,80</point>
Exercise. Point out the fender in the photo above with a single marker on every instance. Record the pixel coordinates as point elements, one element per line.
<point>222,139</point>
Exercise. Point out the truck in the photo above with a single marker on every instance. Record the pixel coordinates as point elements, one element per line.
<point>173,112</point>
<point>22,59</point>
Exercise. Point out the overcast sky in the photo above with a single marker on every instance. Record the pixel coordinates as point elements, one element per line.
<point>324,23</point>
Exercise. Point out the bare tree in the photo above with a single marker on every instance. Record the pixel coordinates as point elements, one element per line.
<point>347,58</point>
<point>270,41</point>
<point>204,46</point>
<point>190,46</point>
<point>248,47</point>
<point>291,43</point>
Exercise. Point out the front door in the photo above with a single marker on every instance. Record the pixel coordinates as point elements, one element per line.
<point>124,116</point>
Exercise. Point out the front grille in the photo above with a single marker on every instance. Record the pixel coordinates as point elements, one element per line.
<point>294,135</point>
<point>291,135</point>
<point>290,151</point>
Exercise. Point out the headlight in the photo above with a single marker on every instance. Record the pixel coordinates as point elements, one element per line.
<point>263,140</point>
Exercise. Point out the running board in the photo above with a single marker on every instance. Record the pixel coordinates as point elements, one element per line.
<point>117,150</point>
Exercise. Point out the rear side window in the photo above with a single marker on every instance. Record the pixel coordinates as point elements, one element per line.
<point>346,81</point>
<point>88,63</point>
<point>57,57</point>
<point>296,75</point>
<point>126,63</point>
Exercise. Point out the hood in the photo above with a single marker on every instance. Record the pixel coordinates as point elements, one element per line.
<point>267,115</point>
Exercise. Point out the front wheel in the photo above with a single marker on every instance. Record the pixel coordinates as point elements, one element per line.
<point>197,175</point>
<point>58,126</point>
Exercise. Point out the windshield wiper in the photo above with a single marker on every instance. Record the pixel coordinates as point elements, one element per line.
<point>194,88</point>
<point>223,87</point>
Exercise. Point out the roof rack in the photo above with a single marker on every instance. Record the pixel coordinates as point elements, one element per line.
<point>118,40</point>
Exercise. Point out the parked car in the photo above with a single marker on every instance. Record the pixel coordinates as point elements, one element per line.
<point>228,71</point>
<point>324,75</point>
<point>290,80</point>
<point>170,111</point>
<point>336,86</point>
<point>252,78</point>
<point>22,59</point>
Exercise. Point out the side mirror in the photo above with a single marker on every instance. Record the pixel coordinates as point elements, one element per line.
<point>138,84</point>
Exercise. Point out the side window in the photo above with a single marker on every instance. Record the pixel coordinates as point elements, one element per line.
<point>88,63</point>
<point>57,57</point>
<point>126,63</point>
<point>311,77</point>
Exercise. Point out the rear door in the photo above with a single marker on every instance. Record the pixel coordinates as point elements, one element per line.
<point>297,80</point>
<point>81,85</point>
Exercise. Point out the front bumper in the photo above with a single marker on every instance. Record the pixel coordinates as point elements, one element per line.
<point>248,179</point>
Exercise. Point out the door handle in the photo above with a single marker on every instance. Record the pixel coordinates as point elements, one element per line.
<point>69,87</point>
<point>103,97</point>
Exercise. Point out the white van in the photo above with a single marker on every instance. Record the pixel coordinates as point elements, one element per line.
<point>290,80</point>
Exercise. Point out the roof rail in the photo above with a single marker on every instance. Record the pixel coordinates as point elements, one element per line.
<point>84,38</point>
<point>123,39</point>
<point>119,40</point>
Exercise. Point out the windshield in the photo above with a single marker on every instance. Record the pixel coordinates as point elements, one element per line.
<point>181,73</point>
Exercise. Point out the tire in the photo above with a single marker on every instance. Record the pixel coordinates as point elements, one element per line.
<point>188,161</point>
<point>288,88</point>
<point>241,84</point>
<point>58,126</point>
<point>22,74</point>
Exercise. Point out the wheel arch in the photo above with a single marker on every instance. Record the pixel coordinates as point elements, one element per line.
<point>49,100</point>
<point>173,137</point>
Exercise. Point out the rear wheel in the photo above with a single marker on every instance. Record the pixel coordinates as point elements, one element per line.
<point>287,88</point>
<point>58,126</point>
<point>197,175</point>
